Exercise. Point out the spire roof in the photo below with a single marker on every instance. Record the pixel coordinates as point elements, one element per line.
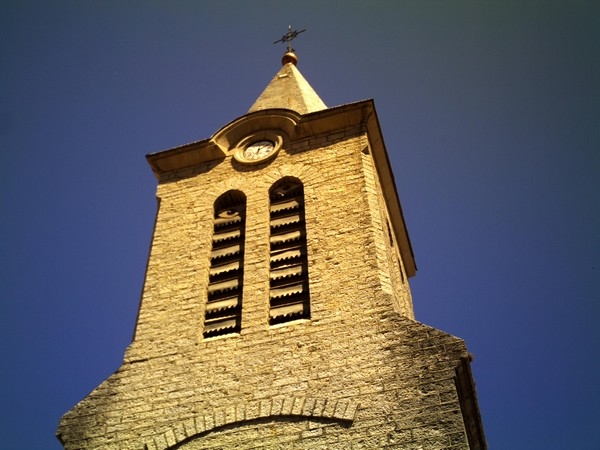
<point>289,90</point>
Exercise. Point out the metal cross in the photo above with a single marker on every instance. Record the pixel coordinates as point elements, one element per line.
<point>289,37</point>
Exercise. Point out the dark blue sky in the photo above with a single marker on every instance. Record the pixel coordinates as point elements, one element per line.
<point>491,116</point>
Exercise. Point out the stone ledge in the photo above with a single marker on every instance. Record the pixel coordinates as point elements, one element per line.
<point>343,410</point>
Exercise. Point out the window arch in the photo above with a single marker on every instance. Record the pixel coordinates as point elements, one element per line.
<point>223,314</point>
<point>289,295</point>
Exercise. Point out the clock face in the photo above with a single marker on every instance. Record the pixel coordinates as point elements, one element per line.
<point>258,150</point>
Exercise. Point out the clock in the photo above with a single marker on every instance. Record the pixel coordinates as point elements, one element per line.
<point>258,150</point>
<point>258,147</point>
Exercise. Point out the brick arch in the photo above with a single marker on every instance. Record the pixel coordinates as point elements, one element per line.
<point>235,182</point>
<point>340,410</point>
<point>303,172</point>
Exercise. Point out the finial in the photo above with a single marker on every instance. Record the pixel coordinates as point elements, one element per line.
<point>288,37</point>
<point>289,57</point>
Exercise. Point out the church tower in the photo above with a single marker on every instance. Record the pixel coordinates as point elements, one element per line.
<point>276,311</point>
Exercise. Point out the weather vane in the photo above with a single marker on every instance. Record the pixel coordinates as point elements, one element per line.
<point>289,37</point>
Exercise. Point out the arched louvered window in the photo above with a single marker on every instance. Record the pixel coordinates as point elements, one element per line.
<point>289,296</point>
<point>224,306</point>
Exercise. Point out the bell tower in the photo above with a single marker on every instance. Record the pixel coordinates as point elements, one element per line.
<point>276,311</point>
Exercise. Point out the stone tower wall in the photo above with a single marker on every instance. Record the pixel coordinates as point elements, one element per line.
<point>347,238</point>
<point>359,374</point>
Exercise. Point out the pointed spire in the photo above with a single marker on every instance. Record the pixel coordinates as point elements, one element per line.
<point>289,90</point>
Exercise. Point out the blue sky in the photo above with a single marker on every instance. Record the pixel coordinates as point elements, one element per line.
<point>491,116</point>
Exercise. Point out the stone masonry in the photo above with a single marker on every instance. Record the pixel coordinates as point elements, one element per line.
<point>360,373</point>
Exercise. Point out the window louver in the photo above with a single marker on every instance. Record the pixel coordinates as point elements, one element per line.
<point>224,305</point>
<point>289,296</point>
